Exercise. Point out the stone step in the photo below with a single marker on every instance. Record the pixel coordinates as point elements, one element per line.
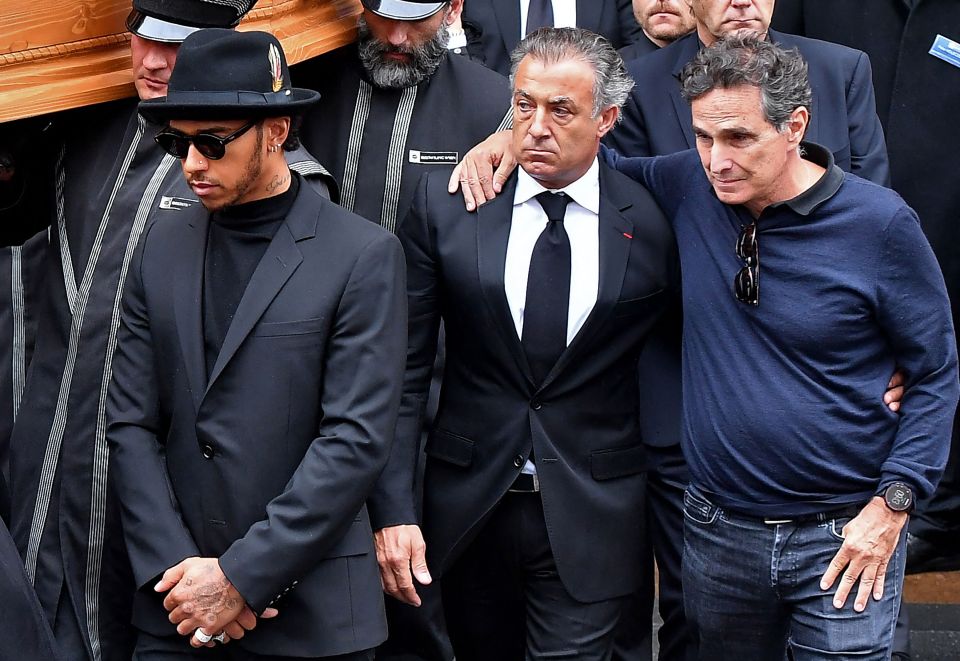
<point>934,632</point>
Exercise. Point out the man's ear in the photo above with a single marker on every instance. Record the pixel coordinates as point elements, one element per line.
<point>608,119</point>
<point>276,130</point>
<point>453,13</point>
<point>797,124</point>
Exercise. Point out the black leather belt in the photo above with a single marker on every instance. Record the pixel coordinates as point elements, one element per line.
<point>819,517</point>
<point>525,483</point>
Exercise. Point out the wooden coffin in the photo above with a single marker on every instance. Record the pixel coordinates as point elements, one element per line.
<point>59,54</point>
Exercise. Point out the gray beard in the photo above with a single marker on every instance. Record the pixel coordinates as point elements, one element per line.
<point>424,59</point>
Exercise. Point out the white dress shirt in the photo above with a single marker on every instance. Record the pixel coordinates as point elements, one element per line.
<point>582,225</point>
<point>564,14</point>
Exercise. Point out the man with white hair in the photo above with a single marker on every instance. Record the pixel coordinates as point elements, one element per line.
<point>533,491</point>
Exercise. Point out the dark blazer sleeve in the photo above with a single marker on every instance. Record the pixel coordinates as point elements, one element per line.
<point>360,397</point>
<point>868,150</point>
<point>24,632</point>
<point>393,500</point>
<point>155,533</point>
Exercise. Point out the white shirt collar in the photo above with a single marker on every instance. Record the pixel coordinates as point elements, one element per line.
<point>585,191</point>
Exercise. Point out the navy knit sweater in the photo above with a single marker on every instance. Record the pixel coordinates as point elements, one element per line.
<point>783,411</point>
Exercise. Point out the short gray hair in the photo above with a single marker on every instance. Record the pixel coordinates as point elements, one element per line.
<point>611,82</point>
<point>747,59</point>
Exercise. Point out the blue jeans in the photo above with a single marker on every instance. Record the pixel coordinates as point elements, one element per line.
<point>752,588</point>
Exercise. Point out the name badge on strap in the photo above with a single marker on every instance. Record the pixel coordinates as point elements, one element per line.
<point>434,157</point>
<point>946,49</point>
<point>175,203</point>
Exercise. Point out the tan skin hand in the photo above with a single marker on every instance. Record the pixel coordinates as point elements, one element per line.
<point>401,554</point>
<point>475,174</point>
<point>200,596</point>
<point>868,542</point>
<point>895,390</point>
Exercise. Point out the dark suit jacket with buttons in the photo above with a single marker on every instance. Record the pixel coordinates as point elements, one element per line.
<point>265,465</point>
<point>657,120</point>
<point>582,420</point>
<point>493,27</point>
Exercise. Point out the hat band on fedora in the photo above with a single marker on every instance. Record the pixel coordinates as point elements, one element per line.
<point>155,29</point>
<point>222,99</point>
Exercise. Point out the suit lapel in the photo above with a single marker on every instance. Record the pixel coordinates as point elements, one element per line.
<point>278,263</point>
<point>493,233</point>
<point>187,288</point>
<point>588,14</point>
<point>615,236</point>
<point>508,18</point>
<point>687,49</point>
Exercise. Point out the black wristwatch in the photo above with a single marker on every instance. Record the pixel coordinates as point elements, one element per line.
<point>898,496</point>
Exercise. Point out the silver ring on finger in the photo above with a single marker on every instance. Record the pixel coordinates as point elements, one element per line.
<point>201,636</point>
<point>220,637</point>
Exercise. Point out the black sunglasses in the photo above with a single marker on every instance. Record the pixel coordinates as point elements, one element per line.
<point>746,285</point>
<point>212,146</point>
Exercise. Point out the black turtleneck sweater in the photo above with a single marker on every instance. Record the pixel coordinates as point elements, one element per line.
<point>236,240</point>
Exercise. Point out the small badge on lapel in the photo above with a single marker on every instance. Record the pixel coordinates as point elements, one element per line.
<point>629,236</point>
<point>946,49</point>
<point>175,203</point>
<point>434,157</point>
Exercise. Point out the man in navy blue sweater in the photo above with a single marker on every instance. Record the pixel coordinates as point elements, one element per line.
<point>801,479</point>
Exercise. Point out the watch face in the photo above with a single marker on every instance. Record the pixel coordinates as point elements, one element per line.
<point>898,497</point>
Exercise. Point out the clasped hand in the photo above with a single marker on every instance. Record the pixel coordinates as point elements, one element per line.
<point>200,597</point>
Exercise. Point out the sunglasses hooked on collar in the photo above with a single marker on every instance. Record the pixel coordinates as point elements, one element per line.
<point>746,284</point>
<point>212,146</point>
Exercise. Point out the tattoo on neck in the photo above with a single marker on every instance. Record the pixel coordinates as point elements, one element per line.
<point>278,182</point>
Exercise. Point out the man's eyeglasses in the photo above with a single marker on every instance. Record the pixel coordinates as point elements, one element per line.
<point>212,146</point>
<point>746,285</point>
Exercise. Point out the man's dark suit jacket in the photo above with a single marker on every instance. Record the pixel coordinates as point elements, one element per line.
<point>494,27</point>
<point>657,120</point>
<point>582,420</point>
<point>267,464</point>
<point>642,46</point>
<point>24,632</point>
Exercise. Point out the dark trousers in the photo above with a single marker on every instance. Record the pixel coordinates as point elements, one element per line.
<point>504,599</point>
<point>417,633</point>
<point>666,483</point>
<point>177,648</point>
<point>937,520</point>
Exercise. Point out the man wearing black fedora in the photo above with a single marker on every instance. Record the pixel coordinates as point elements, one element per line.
<point>256,382</point>
<point>99,179</point>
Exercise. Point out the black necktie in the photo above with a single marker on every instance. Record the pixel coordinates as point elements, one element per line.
<point>544,334</point>
<point>539,15</point>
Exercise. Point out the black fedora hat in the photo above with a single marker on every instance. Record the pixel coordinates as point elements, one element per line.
<point>172,21</point>
<point>224,74</point>
<point>404,10</point>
